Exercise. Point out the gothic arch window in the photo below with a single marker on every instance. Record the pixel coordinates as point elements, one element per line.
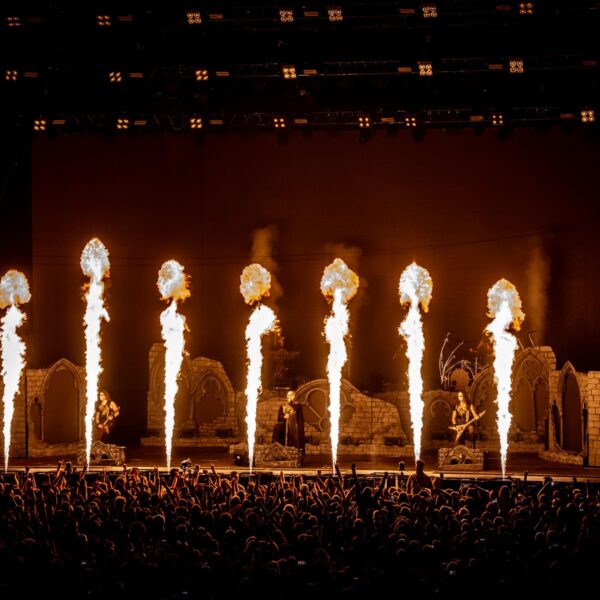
<point>182,399</point>
<point>210,399</point>
<point>530,378</point>
<point>438,418</point>
<point>62,420</point>
<point>572,410</point>
<point>483,395</point>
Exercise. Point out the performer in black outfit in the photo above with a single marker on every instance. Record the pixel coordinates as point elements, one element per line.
<point>464,412</point>
<point>104,418</point>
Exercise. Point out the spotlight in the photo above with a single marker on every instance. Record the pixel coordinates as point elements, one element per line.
<point>194,18</point>
<point>410,121</point>
<point>39,125</point>
<point>115,77</point>
<point>588,116</point>
<point>123,123</point>
<point>195,122</point>
<point>334,13</point>
<point>364,121</point>
<point>497,119</point>
<point>526,8</point>
<point>13,21</point>
<point>429,11</point>
<point>286,15</point>
<point>289,72</point>
<point>516,65</point>
<point>103,20</point>
<point>425,69</point>
<point>201,75</point>
<point>10,75</point>
<point>279,122</point>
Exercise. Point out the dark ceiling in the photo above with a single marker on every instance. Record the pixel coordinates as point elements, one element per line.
<point>509,64</point>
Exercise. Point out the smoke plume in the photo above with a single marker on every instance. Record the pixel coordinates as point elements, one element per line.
<point>538,279</point>
<point>263,245</point>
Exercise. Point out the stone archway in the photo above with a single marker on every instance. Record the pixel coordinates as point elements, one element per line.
<point>530,391</point>
<point>437,418</point>
<point>483,395</point>
<point>209,398</point>
<point>572,411</point>
<point>62,410</point>
<point>183,402</point>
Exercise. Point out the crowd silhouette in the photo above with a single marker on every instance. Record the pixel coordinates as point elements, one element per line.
<point>195,533</point>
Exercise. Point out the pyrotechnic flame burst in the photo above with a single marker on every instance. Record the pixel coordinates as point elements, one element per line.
<point>415,289</point>
<point>339,284</point>
<point>95,264</point>
<point>504,307</point>
<point>173,286</point>
<point>255,283</point>
<point>14,290</point>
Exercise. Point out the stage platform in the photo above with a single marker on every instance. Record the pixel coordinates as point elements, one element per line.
<point>145,457</point>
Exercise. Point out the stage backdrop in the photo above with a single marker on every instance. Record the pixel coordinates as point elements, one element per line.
<point>471,209</point>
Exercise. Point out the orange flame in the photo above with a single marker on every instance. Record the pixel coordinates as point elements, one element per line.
<point>173,286</point>
<point>14,290</point>
<point>94,264</point>
<point>255,284</point>
<point>504,306</point>
<point>338,284</point>
<point>415,289</point>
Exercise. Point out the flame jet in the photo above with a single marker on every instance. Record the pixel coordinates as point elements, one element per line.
<point>14,290</point>
<point>173,287</point>
<point>95,265</point>
<point>504,307</point>
<point>255,284</point>
<point>415,289</point>
<point>338,284</point>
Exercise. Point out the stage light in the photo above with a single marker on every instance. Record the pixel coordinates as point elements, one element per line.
<point>194,18</point>
<point>279,122</point>
<point>286,15</point>
<point>195,122</point>
<point>410,121</point>
<point>497,119</point>
<point>115,77</point>
<point>201,75</point>
<point>429,11</point>
<point>289,72</point>
<point>425,69</point>
<point>334,13</point>
<point>364,121</point>
<point>516,65</point>
<point>526,8</point>
<point>123,123</point>
<point>588,116</point>
<point>39,125</point>
<point>103,20</point>
<point>13,21</point>
<point>10,75</point>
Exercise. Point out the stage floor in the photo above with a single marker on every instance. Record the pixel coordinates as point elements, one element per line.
<point>145,457</point>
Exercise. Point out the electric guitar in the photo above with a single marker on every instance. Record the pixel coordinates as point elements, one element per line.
<point>460,429</point>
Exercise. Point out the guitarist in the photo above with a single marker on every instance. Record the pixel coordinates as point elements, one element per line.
<point>464,412</point>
